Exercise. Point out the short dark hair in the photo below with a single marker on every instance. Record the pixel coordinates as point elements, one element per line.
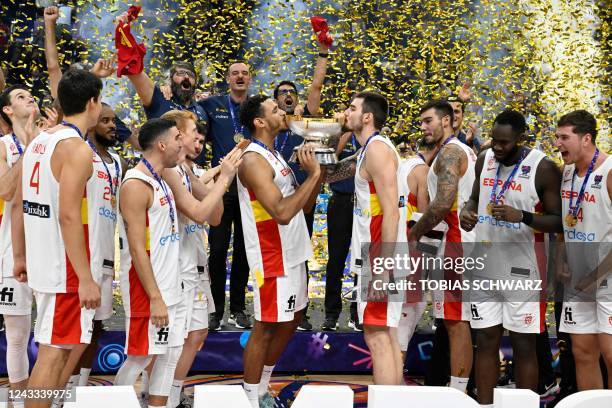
<point>75,89</point>
<point>377,105</point>
<point>152,130</point>
<point>202,128</point>
<point>5,100</point>
<point>184,65</point>
<point>281,83</point>
<point>513,118</point>
<point>442,107</point>
<point>251,109</point>
<point>582,122</point>
<point>454,98</point>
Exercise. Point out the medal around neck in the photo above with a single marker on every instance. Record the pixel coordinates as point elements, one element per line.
<point>238,137</point>
<point>321,132</point>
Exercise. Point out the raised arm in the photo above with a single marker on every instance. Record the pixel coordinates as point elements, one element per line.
<point>144,87</point>
<point>136,198</point>
<point>10,177</point>
<point>448,168</point>
<point>256,174</point>
<point>51,55</point>
<point>76,169</point>
<point>316,86</point>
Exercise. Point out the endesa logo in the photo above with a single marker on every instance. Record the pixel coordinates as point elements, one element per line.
<point>36,209</point>
<point>191,228</point>
<point>361,212</point>
<point>174,237</point>
<point>587,198</point>
<point>490,182</point>
<point>573,235</point>
<point>498,223</point>
<point>106,213</point>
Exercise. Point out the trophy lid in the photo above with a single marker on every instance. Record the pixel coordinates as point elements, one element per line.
<point>313,127</point>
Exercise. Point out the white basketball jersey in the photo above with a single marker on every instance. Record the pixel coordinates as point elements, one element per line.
<point>49,269</point>
<point>102,215</point>
<point>272,248</point>
<point>455,233</point>
<point>405,168</point>
<point>191,237</point>
<point>594,226</point>
<point>162,245</point>
<point>527,252</point>
<point>368,213</point>
<point>6,247</point>
<point>202,240</point>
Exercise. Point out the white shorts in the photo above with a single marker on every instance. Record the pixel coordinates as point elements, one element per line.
<point>15,298</point>
<point>519,317</point>
<point>60,320</point>
<point>197,309</point>
<point>411,314</point>
<point>105,311</point>
<point>143,338</point>
<point>587,317</point>
<point>277,299</point>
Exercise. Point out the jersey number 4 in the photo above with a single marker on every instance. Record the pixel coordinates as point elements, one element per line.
<point>35,177</point>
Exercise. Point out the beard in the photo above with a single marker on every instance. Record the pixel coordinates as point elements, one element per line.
<point>183,96</point>
<point>103,141</point>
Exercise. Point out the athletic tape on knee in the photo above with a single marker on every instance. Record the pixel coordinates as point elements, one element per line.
<point>17,337</point>
<point>160,381</point>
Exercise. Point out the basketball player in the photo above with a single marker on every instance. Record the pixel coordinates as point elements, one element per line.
<point>152,289</point>
<point>19,110</point>
<point>57,166</point>
<point>413,172</point>
<point>102,221</point>
<point>586,193</point>
<point>514,201</point>
<point>187,189</point>
<point>450,181</point>
<point>276,239</point>
<point>378,220</point>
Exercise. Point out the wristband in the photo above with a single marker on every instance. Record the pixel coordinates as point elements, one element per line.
<point>323,54</point>
<point>527,218</point>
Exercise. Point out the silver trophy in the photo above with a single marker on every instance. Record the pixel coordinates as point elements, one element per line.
<point>321,132</point>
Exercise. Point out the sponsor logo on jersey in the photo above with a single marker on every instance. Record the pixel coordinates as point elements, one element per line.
<point>490,182</point>
<point>191,228</point>
<point>487,219</point>
<point>574,235</point>
<point>107,213</point>
<point>6,297</point>
<point>38,148</point>
<point>361,212</point>
<point>36,209</point>
<point>402,202</point>
<point>174,237</point>
<point>567,315</point>
<point>587,197</point>
<point>491,164</point>
<point>525,170</point>
<point>597,181</point>
<point>285,171</point>
<point>290,304</point>
<point>528,319</point>
<point>474,310</point>
<point>162,336</point>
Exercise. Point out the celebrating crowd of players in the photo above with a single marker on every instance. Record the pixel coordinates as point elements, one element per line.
<point>73,193</point>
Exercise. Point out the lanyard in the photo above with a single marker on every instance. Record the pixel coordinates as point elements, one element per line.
<point>73,127</point>
<point>113,191</point>
<point>574,210</point>
<point>419,154</point>
<point>262,144</point>
<point>237,130</point>
<point>282,146</point>
<point>496,197</point>
<point>19,148</point>
<point>366,145</point>
<point>186,176</point>
<point>163,186</point>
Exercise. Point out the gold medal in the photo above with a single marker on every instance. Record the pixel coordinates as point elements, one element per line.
<point>113,201</point>
<point>490,208</point>
<point>570,220</point>
<point>238,137</point>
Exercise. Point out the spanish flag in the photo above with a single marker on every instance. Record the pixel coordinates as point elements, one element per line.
<point>130,55</point>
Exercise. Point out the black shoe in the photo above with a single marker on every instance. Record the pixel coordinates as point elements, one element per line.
<point>304,325</point>
<point>240,320</point>
<point>331,324</point>
<point>355,325</point>
<point>186,402</point>
<point>214,323</point>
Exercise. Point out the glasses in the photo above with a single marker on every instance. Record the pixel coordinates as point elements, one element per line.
<point>287,92</point>
<point>184,72</point>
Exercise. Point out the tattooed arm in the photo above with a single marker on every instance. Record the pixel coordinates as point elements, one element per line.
<point>343,170</point>
<point>448,168</point>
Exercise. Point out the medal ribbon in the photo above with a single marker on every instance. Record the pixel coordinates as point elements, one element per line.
<point>573,210</point>
<point>282,146</point>
<point>113,191</point>
<point>233,114</point>
<point>363,150</point>
<point>19,148</point>
<point>496,197</point>
<point>163,186</point>
<point>262,144</point>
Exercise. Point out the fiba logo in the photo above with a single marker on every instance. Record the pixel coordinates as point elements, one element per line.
<point>111,357</point>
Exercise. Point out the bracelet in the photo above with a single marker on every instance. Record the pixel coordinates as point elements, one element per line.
<point>527,218</point>
<point>323,54</point>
